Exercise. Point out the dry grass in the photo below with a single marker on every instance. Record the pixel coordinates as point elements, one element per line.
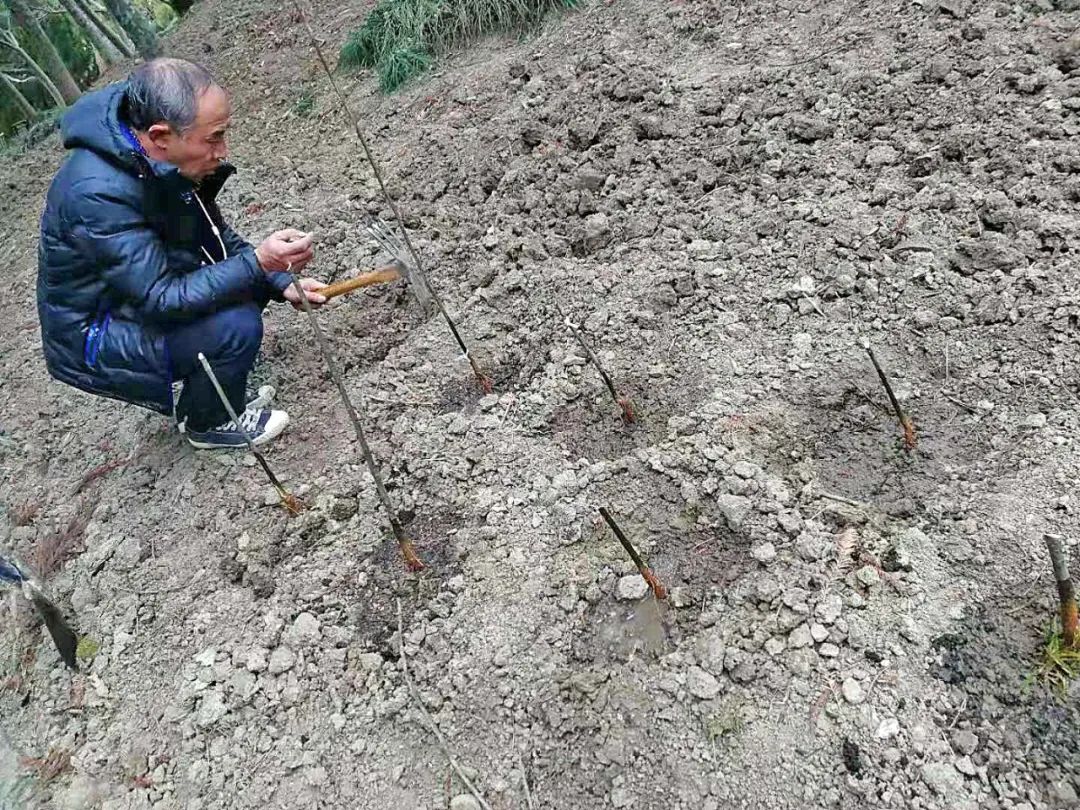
<point>55,763</point>
<point>25,513</point>
<point>52,551</point>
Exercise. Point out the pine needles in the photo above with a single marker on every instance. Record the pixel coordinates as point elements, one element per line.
<point>400,38</point>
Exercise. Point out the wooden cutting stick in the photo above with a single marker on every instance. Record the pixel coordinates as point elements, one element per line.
<point>380,276</point>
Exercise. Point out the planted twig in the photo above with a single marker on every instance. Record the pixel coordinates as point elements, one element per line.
<point>292,504</point>
<point>906,424</point>
<point>1070,633</point>
<point>624,403</point>
<point>416,267</point>
<point>408,551</point>
<point>658,589</point>
<point>429,721</point>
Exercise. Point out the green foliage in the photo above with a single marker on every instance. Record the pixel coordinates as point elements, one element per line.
<point>400,37</point>
<point>727,723</point>
<point>304,104</point>
<point>163,15</point>
<point>1059,664</point>
<point>75,50</point>
<point>74,46</point>
<point>401,65</point>
<point>87,648</point>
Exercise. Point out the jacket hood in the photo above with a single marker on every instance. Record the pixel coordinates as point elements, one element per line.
<point>93,123</point>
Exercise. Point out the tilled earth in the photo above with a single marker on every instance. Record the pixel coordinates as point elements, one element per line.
<point>730,198</point>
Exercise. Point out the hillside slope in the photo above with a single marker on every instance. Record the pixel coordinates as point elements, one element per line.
<point>729,196</point>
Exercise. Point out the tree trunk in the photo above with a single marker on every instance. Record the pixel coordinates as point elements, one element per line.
<point>52,64</point>
<point>11,43</point>
<point>137,25</point>
<point>20,100</point>
<point>118,40</point>
<point>106,50</point>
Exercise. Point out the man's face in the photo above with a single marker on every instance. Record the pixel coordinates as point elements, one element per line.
<point>199,150</point>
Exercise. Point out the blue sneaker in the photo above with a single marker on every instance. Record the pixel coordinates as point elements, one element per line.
<point>261,424</point>
<point>264,399</point>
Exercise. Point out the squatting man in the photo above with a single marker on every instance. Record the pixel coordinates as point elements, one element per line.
<point>137,271</point>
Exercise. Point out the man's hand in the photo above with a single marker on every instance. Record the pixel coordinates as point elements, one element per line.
<point>282,248</point>
<point>311,287</point>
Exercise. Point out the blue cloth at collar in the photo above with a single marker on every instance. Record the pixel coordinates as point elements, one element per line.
<point>129,136</point>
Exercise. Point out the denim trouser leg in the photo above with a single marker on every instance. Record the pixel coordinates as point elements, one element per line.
<point>230,339</point>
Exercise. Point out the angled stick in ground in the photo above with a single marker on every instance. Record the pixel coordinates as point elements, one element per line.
<point>416,267</point>
<point>408,552</point>
<point>1070,631</point>
<point>428,719</point>
<point>658,589</point>
<point>292,504</point>
<point>906,424</point>
<point>12,575</point>
<point>624,403</point>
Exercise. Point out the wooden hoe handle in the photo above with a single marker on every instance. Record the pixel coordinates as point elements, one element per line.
<point>381,276</point>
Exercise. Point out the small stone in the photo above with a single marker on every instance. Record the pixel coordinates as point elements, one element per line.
<point>828,650</point>
<point>966,766</point>
<point>775,646</point>
<point>828,610</point>
<point>282,659</point>
<point>211,709</point>
<point>631,588</point>
<point>255,660</point>
<point>882,155</point>
<point>965,742</point>
<point>818,633</point>
<point>734,508</point>
<point>853,691</point>
<point>942,778</point>
<point>744,469</point>
<point>701,684</point>
<point>304,631</point>
<point>1035,421</point>
<point>206,657</point>
<point>764,553</point>
<point>800,637</point>
<point>464,801</point>
<point>1065,793</point>
<point>888,728</point>
<point>868,576</point>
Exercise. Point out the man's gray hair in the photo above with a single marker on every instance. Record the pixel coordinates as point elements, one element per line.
<point>166,91</point>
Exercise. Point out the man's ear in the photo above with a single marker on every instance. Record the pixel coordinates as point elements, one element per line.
<point>160,135</point>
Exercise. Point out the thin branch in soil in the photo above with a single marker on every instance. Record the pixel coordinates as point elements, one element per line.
<point>624,403</point>
<point>1070,634</point>
<point>658,589</point>
<point>525,783</point>
<point>416,266</point>
<point>292,504</point>
<point>408,551</point>
<point>906,425</point>
<point>429,721</point>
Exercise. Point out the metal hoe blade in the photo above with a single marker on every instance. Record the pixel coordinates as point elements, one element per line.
<point>388,241</point>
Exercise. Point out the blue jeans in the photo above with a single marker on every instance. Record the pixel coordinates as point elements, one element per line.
<point>230,339</point>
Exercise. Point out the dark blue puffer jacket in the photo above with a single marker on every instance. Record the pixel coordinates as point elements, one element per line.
<point>120,259</point>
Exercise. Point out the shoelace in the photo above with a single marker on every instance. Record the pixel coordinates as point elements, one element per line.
<point>249,420</point>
